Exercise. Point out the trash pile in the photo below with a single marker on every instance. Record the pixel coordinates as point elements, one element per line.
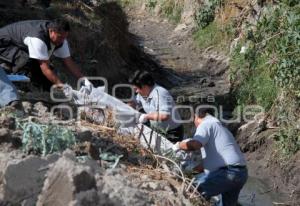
<point>85,161</point>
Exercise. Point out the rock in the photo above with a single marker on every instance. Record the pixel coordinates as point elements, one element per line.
<point>247,135</point>
<point>4,135</point>
<point>69,183</point>
<point>180,28</point>
<point>190,8</point>
<point>87,148</point>
<point>16,138</point>
<point>84,135</point>
<point>150,185</point>
<point>39,109</point>
<point>23,179</point>
<point>7,122</point>
<point>211,84</point>
<point>27,107</point>
<point>89,197</point>
<point>114,185</point>
<point>131,189</point>
<point>4,159</point>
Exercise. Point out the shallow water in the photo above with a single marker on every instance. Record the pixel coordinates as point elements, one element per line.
<point>257,193</point>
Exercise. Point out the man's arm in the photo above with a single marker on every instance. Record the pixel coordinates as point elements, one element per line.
<point>157,116</point>
<point>47,71</point>
<point>72,67</point>
<point>190,145</point>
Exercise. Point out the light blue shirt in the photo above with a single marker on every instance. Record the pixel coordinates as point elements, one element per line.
<point>160,100</point>
<point>219,146</point>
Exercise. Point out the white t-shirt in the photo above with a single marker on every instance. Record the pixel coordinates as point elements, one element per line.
<point>38,49</point>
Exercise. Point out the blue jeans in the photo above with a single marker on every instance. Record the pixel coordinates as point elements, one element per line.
<point>226,181</point>
<point>8,91</point>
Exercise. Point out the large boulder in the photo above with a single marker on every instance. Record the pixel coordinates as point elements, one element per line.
<point>70,183</point>
<point>23,178</point>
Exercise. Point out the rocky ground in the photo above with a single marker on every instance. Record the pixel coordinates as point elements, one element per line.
<point>101,168</point>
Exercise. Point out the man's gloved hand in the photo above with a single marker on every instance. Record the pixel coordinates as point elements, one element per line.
<point>176,147</point>
<point>86,87</point>
<point>143,119</point>
<point>67,89</point>
<point>87,83</point>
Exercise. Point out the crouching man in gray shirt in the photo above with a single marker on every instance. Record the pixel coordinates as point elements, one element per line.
<point>158,105</point>
<point>224,165</point>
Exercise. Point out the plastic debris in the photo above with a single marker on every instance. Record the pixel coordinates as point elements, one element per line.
<point>18,78</point>
<point>110,157</point>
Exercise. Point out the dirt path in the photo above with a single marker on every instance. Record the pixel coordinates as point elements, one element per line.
<point>201,73</point>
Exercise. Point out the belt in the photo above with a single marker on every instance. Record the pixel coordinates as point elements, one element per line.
<point>234,166</point>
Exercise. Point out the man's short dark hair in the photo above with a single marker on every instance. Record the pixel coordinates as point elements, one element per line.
<point>59,25</point>
<point>204,109</point>
<point>141,78</point>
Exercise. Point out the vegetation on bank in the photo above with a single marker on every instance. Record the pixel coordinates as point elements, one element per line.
<point>265,68</point>
<point>171,9</point>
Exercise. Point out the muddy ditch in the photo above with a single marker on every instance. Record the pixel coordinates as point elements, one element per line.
<point>204,75</point>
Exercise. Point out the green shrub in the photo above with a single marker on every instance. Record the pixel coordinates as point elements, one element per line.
<point>214,35</point>
<point>151,4</point>
<point>259,89</point>
<point>288,139</point>
<point>278,38</point>
<point>252,79</point>
<point>272,60</point>
<point>268,73</point>
<point>172,9</point>
<point>206,13</point>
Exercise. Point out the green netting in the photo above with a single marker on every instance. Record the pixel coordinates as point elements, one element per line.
<point>46,139</point>
<point>110,157</point>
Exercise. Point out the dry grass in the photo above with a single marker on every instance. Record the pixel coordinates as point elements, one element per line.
<point>154,166</point>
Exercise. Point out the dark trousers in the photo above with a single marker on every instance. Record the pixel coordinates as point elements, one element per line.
<point>227,181</point>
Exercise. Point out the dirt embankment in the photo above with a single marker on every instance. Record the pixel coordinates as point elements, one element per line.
<point>267,163</point>
<point>99,40</point>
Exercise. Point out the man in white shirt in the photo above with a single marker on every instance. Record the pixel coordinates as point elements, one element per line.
<point>225,170</point>
<point>158,104</point>
<point>33,41</point>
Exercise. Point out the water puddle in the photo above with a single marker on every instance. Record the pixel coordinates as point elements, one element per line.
<point>257,193</point>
